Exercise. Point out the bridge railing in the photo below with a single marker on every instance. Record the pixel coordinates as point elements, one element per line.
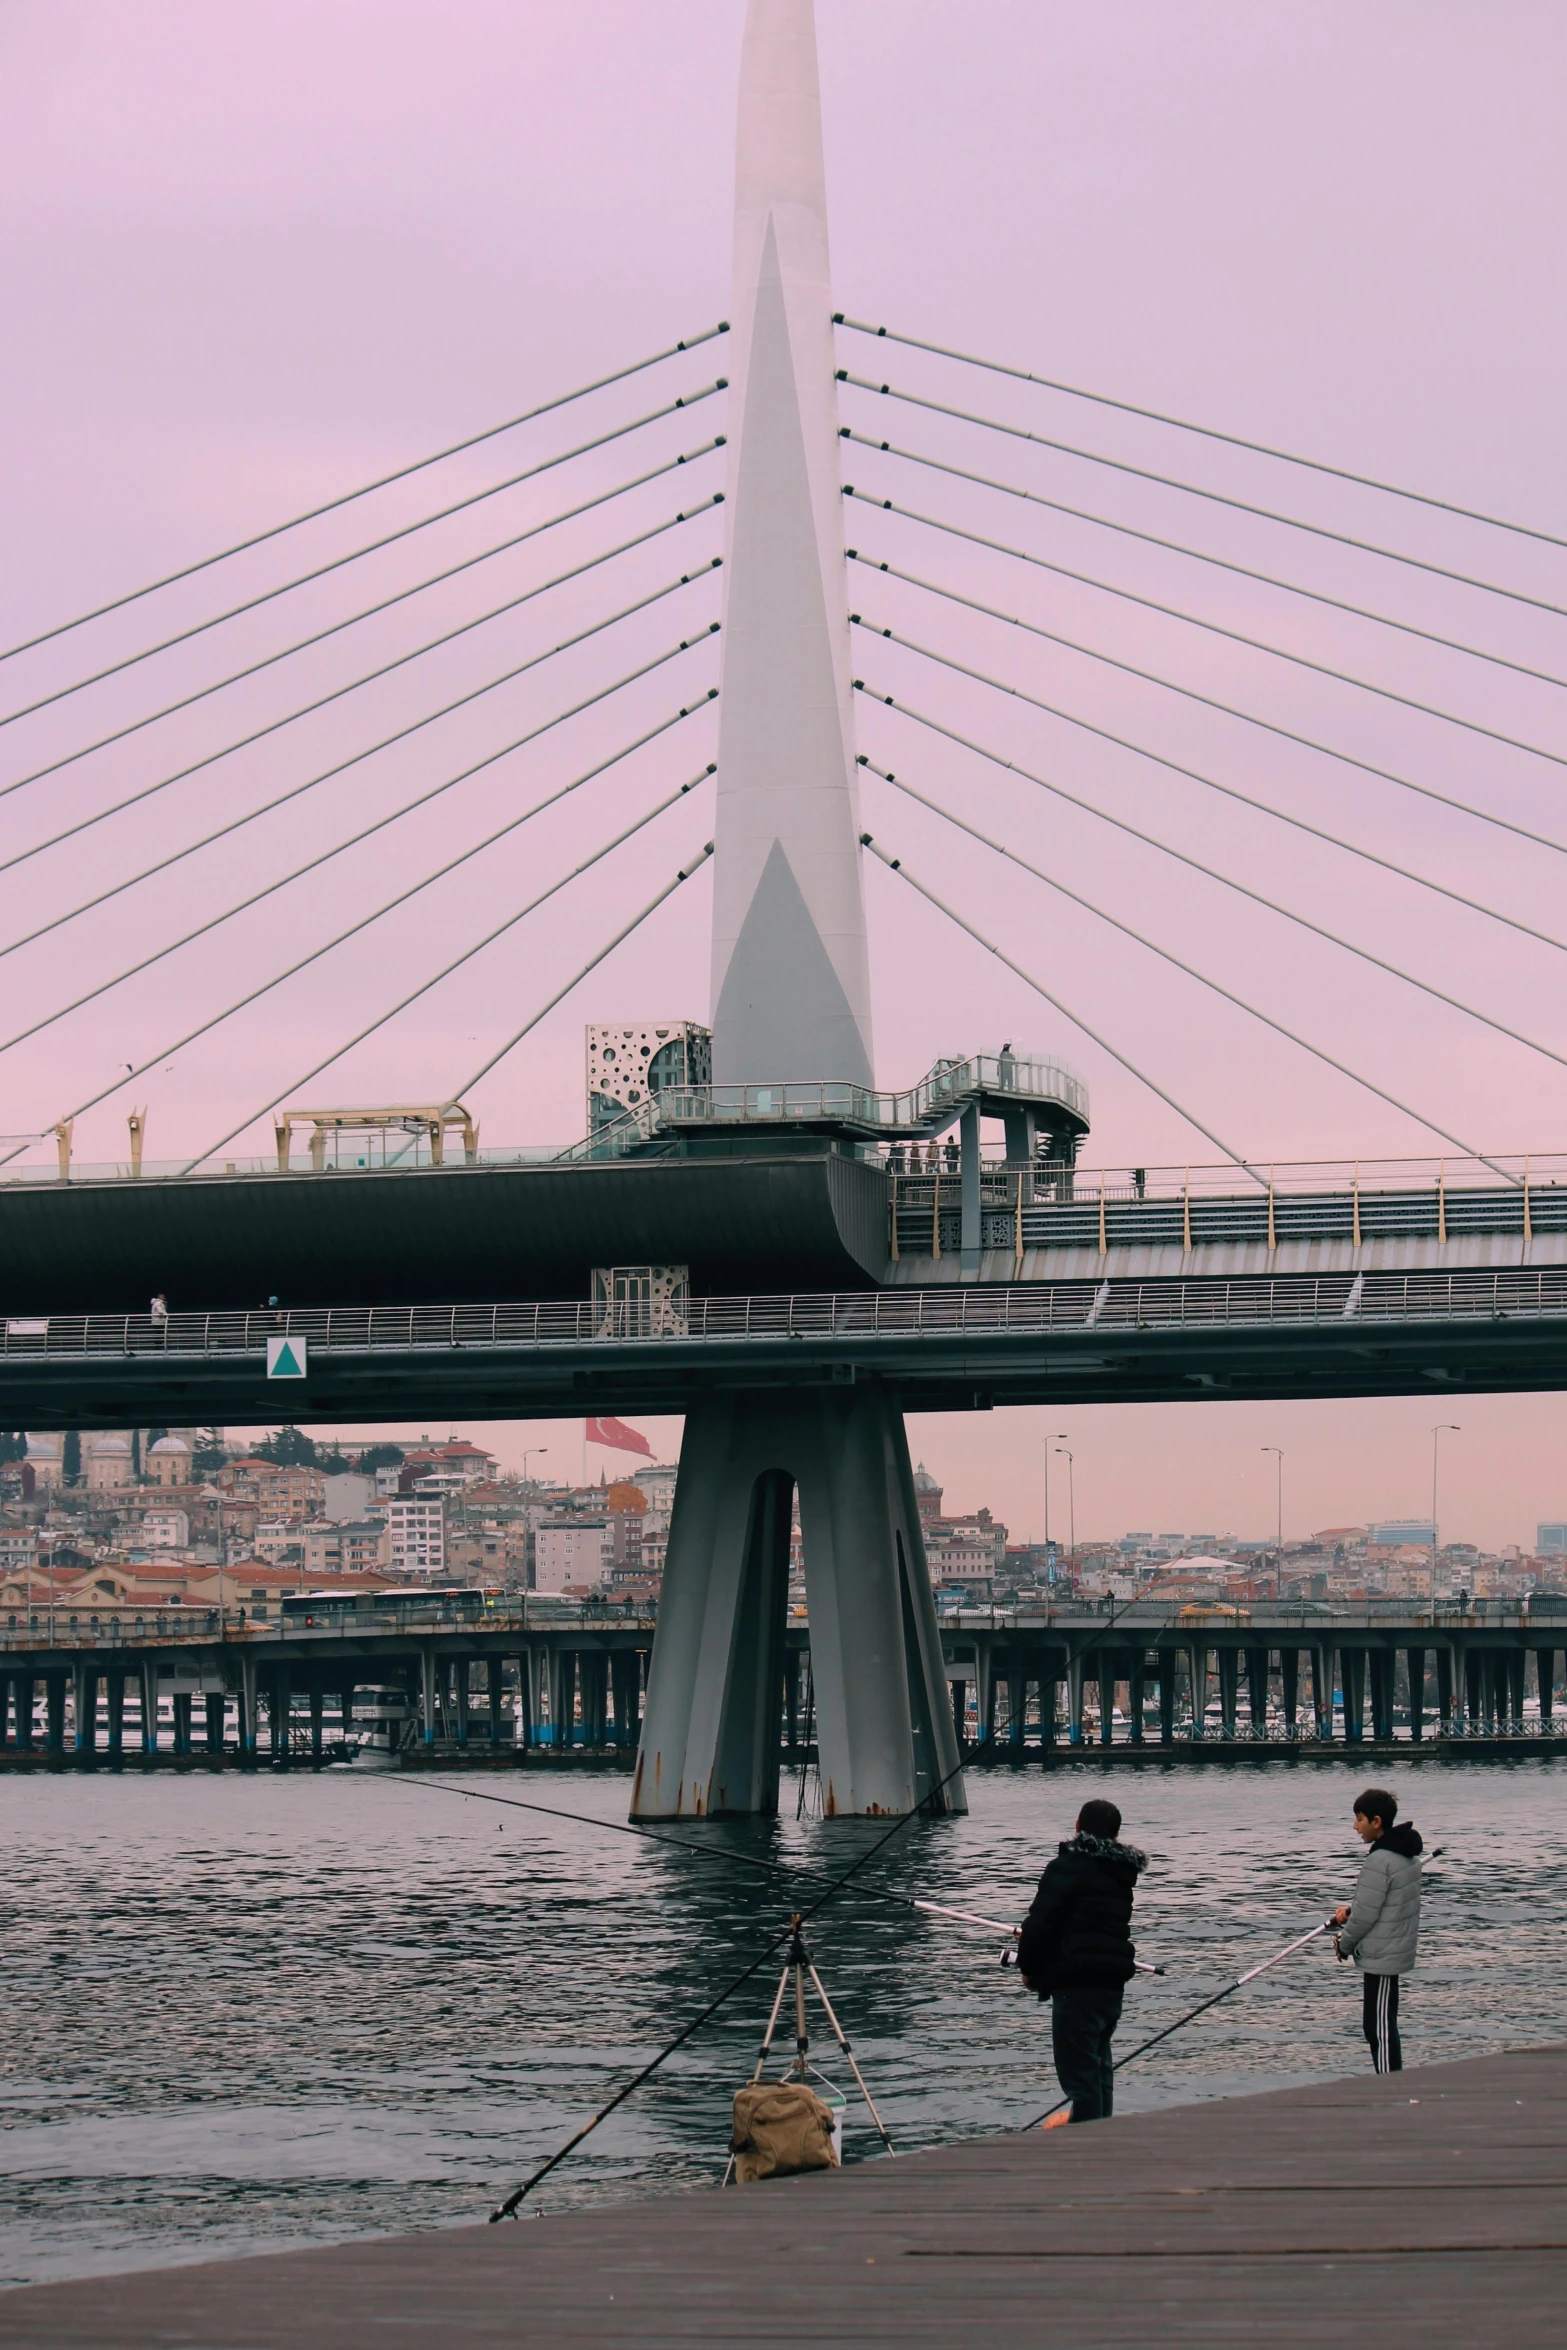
<point>1263,1301</point>
<point>1052,1205</point>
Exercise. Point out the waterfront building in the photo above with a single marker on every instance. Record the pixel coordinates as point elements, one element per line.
<point>416,1527</point>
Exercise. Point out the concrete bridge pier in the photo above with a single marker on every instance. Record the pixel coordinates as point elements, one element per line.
<point>1289,1689</point>
<point>1544,1675</point>
<point>1513,1672</point>
<point>184,1706</point>
<point>1352,1675</point>
<point>149,1705</point>
<point>527,1697</point>
<point>217,1711</point>
<point>1137,1692</point>
<point>317,1725</point>
<point>114,1691</point>
<point>1257,1689</point>
<point>1382,1665</point>
<point>84,1678</point>
<point>884,1728</point>
<point>495,1698</point>
<point>561,1669</point>
<point>427,1692</point>
<point>1415,1661</point>
<point>1074,1701</point>
<point>462,1668</point>
<point>55,1685</point>
<point>1166,1670</point>
<point>1444,1691</point>
<point>1322,1691</point>
<point>247,1707</point>
<point>1197,1676</point>
<point>593,1682</point>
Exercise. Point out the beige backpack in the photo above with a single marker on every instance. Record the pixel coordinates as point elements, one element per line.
<point>780,2127</point>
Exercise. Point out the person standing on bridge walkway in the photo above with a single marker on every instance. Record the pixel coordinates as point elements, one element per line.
<point>1380,1928</point>
<point>1076,1950</point>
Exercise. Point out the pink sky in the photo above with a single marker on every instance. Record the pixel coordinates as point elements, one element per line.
<point>258,255</point>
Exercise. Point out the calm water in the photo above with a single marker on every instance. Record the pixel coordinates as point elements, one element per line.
<point>242,2013</point>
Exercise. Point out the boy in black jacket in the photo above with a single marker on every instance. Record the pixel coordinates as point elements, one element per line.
<point>1076,1951</point>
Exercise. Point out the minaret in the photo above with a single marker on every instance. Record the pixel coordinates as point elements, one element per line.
<point>791,978</point>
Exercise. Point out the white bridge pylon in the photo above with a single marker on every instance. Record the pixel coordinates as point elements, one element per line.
<point>791,1002</point>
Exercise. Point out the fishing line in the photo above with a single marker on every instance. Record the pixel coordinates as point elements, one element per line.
<point>508,2207</point>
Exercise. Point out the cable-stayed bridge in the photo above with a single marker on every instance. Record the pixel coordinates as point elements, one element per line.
<point>785,569</point>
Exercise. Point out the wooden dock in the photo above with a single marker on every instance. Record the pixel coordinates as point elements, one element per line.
<point>1412,2213</point>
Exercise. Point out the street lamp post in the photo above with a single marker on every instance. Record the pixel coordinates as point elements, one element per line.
<point>1278,1555</point>
<point>1071,1492</point>
<point>527,1456</point>
<point>1059,1438</point>
<point>1442,1428</point>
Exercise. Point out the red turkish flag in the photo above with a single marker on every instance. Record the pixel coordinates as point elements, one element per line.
<point>616,1434</point>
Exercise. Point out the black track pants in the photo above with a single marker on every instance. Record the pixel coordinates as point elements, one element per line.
<point>1380,2022</point>
<point>1082,2026</point>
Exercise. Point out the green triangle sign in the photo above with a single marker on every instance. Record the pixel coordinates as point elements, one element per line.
<point>286,1358</point>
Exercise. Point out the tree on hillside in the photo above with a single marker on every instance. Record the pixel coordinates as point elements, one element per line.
<point>71,1457</point>
<point>13,1445</point>
<point>289,1448</point>
<point>380,1456</point>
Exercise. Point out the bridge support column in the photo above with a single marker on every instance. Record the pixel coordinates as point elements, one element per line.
<point>427,1694</point>
<point>1166,1667</point>
<point>55,1684</point>
<point>462,1668</point>
<point>1074,1701</point>
<point>1444,1692</point>
<point>279,1709</point>
<point>1197,1675</point>
<point>527,1697</point>
<point>1352,1673</point>
<point>1017,1705</point>
<point>345,1710</point>
<point>495,1697</point>
<point>182,1703</point>
<point>217,1708</point>
<point>149,1705</point>
<point>593,1678</point>
<point>563,1695</point>
<point>1257,1690</point>
<point>1049,1664</point>
<point>884,1729</point>
<point>1289,1690</point>
<point>22,1699</point>
<point>317,1710</point>
<point>1544,1674</point>
<point>1229,1690</point>
<point>85,1697</point>
<point>115,1693</point>
<point>1473,1694</point>
<point>1104,1675</point>
<point>247,1706</point>
<point>1415,1665</point>
<point>1382,1662</point>
<point>1137,1691</point>
<point>1513,1673</point>
<point>625,1689</point>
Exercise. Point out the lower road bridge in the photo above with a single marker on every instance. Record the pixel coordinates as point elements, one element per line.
<point>531,1680</point>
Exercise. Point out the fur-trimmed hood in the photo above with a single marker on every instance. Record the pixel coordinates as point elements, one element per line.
<point>1111,1848</point>
<point>1403,1838</point>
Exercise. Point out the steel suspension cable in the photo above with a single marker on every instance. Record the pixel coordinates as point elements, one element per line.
<point>1226,881</point>
<point>237,823</point>
<point>1189,693</point>
<point>372,547</point>
<point>896,865</point>
<point>1255,644</point>
<point>353,931</point>
<point>962,824</point>
<point>1205,432</point>
<point>355,758</point>
<point>467,956</point>
<point>1317,530</point>
<point>1149,538</point>
<point>369,612</point>
<point>366,489</point>
<point>215,921</point>
<point>1193,775</point>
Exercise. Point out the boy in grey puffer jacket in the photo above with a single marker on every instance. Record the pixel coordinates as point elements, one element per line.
<point>1380,1928</point>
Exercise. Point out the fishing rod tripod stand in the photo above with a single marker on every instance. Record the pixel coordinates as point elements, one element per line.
<point>798,1965</point>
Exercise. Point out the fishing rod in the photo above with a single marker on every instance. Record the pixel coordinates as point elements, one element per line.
<point>970,1917</point>
<point>1193,2013</point>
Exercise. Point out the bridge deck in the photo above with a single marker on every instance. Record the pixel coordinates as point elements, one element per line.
<point>1424,2209</point>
